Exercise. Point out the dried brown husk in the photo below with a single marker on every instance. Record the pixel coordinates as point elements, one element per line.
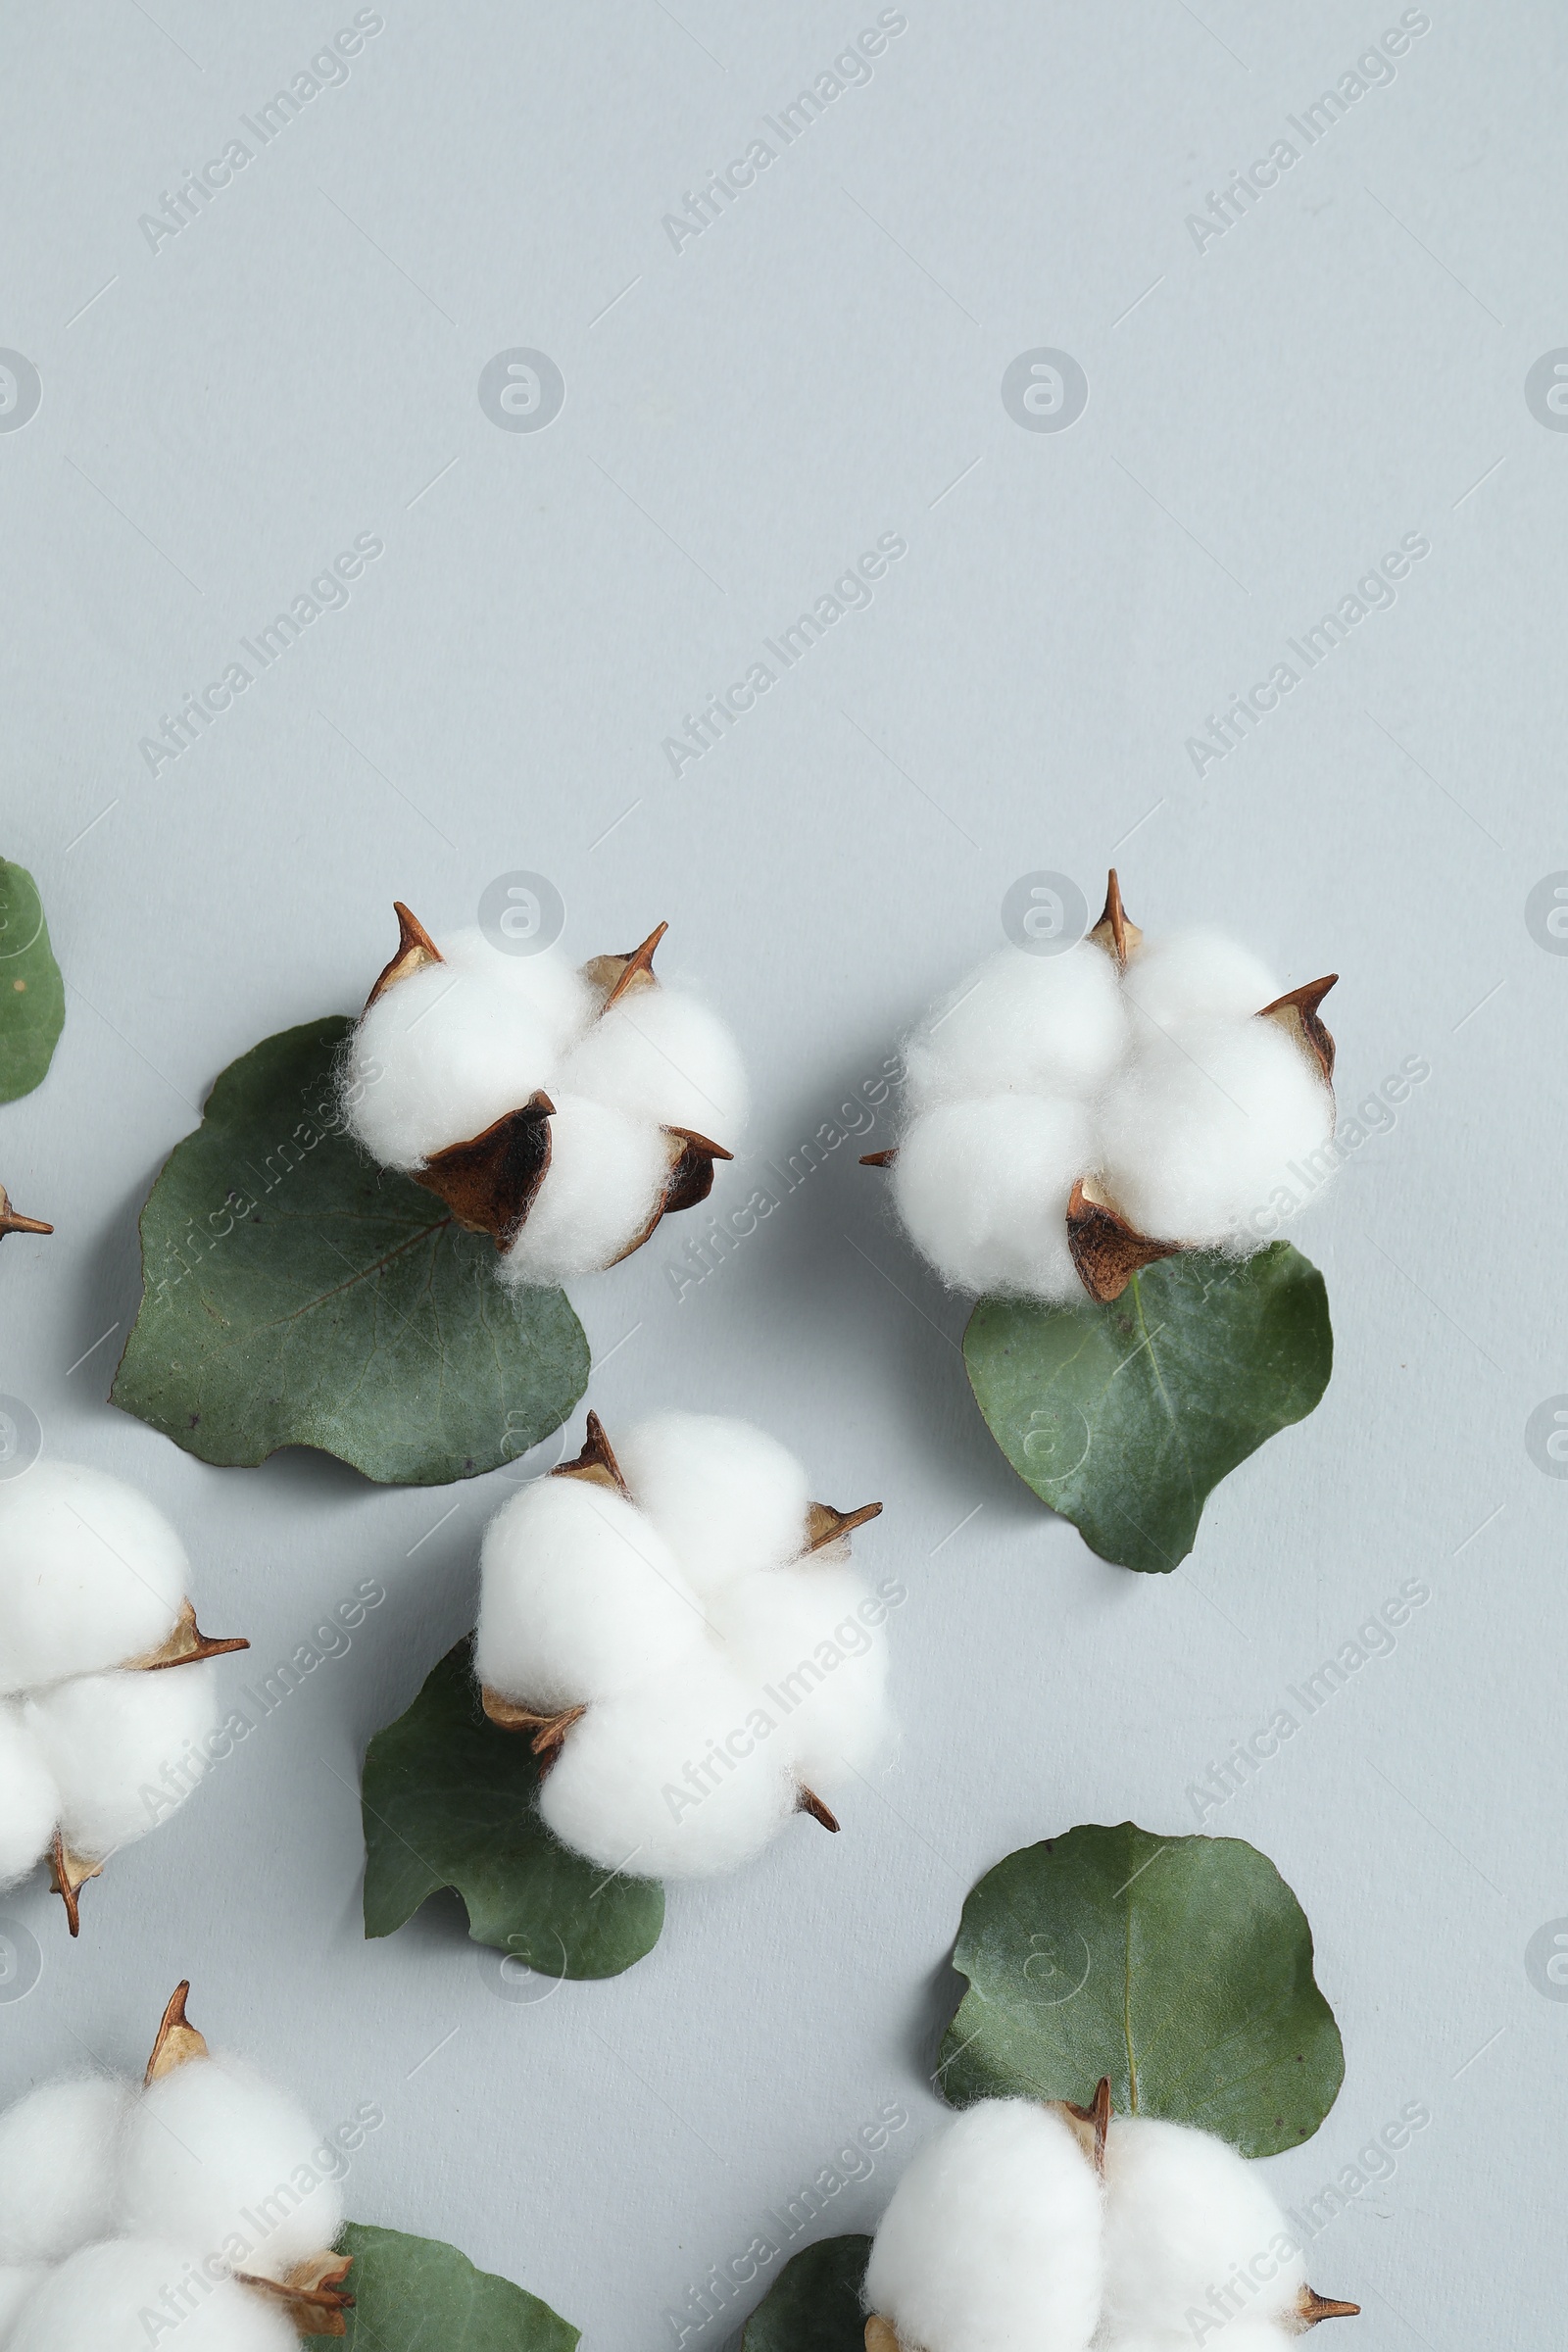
<point>186,1646</point>
<point>596,1464</point>
<point>490,1182</point>
<point>13,1221</point>
<point>310,2294</point>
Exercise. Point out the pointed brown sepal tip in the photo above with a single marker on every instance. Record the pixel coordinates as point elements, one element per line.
<point>13,1221</point>
<point>186,1646</point>
<point>311,2295</point>
<point>880,1160</point>
<point>69,1873</point>
<point>1311,2306</point>
<point>825,1525</point>
<point>807,1801</point>
<point>691,1177</point>
<point>597,1461</point>
<point>1106,1250</point>
<point>1298,1013</point>
<point>880,2334</point>
<point>415,950</point>
<point>1091,2123</point>
<point>177,2040</point>
<point>1115,932</point>
<point>690,1180</point>
<point>618,975</point>
<point>489,1182</point>
<point>548,1730</point>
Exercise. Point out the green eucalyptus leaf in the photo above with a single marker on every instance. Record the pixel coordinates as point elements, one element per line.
<point>1179,1967</point>
<point>414,2294</point>
<point>294,1293</point>
<point>813,2305</point>
<point>32,995</point>
<point>448,1802</point>
<point>1125,1417</point>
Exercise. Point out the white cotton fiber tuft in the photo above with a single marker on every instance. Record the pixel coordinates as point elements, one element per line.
<point>213,2153</point>
<point>90,1574</point>
<point>992,2242</point>
<point>983,1188</point>
<point>99,2300</point>
<point>439,1058</point>
<point>799,1635</point>
<point>59,2150</point>
<point>670,1781</point>
<point>661,1054</point>
<point>1197,1133</point>
<point>16,2282</point>
<point>1022,1024</point>
<point>727,1496</point>
<point>1182,2214</point>
<point>29,1803</point>
<point>1195,975</point>
<point>124,1749</point>
<point>579,1597</point>
<point>606,1177</point>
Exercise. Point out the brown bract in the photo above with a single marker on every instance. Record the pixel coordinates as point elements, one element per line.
<point>491,1181</point>
<point>597,1465</point>
<point>186,1646</point>
<point>1311,2306</point>
<point>1089,2124</point>
<point>11,1220</point>
<point>310,2294</point>
<point>1106,1250</point>
<point>1113,932</point>
<point>1296,1013</point>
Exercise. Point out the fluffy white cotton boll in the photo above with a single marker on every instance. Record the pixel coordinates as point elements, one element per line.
<point>580,1596</point>
<point>983,1188</point>
<point>1025,1024</point>
<point>992,2242</point>
<point>98,2302</point>
<point>214,2152</point>
<point>547,984</point>
<point>724,1495</point>
<point>16,2284</point>
<point>670,1781</point>
<point>1195,975</point>
<point>59,2154</point>
<point>823,1671</point>
<point>1182,2214</point>
<point>606,1176</point>
<point>662,1055</point>
<point>1196,1134</point>
<point>29,1805</point>
<point>90,1573</point>
<point>109,1739</point>
<point>439,1058</point>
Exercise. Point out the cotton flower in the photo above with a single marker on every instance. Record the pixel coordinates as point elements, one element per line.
<point>683,1636</point>
<point>1051,2228</point>
<point>107,1681</point>
<point>1073,1117</point>
<point>201,2204</point>
<point>562,1112</point>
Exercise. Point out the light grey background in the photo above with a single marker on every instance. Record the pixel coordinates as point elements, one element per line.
<point>1267,416</point>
